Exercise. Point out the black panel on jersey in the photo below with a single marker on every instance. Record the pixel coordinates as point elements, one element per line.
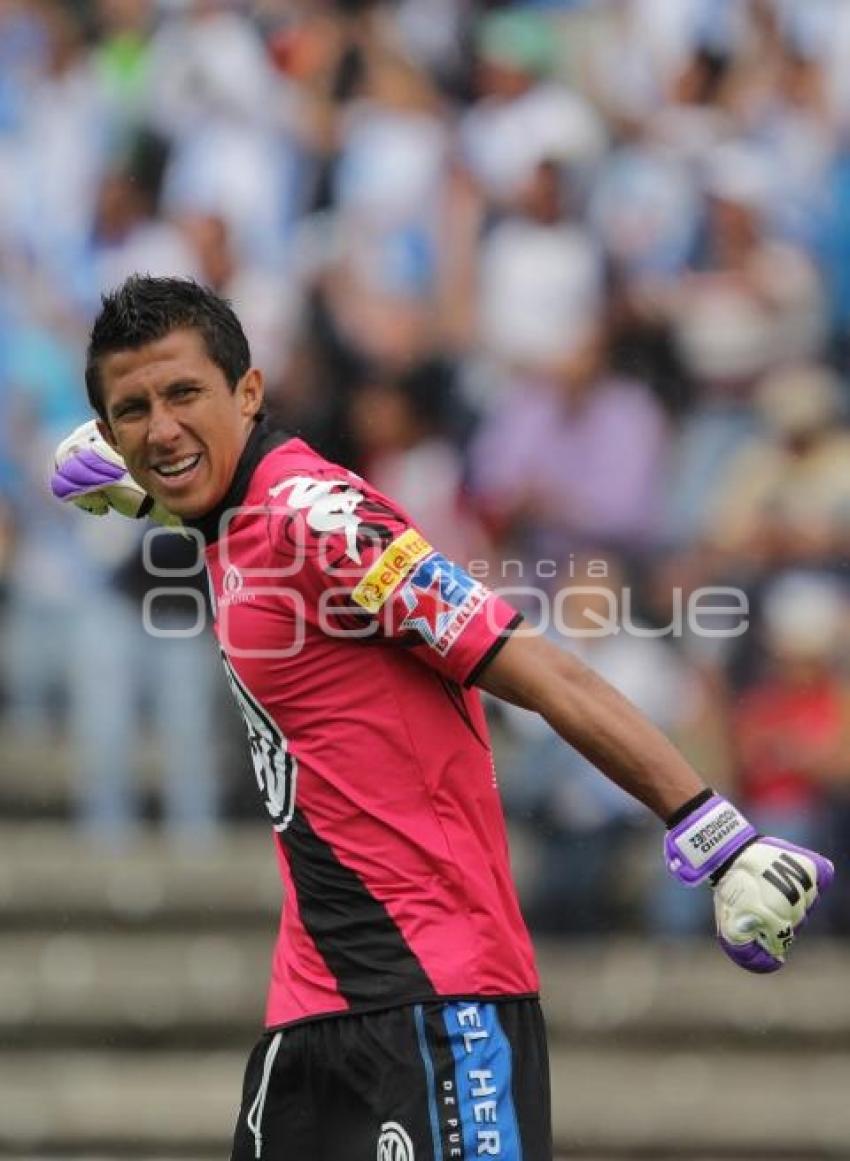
<point>352,930</point>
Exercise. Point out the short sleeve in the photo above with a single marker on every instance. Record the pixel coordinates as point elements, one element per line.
<point>366,573</point>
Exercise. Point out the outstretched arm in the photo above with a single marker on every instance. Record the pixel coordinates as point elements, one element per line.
<point>764,888</point>
<point>593,717</point>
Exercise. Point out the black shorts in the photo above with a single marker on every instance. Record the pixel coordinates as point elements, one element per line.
<point>440,1081</point>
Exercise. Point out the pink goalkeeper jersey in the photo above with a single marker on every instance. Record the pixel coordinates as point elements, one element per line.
<point>350,645</point>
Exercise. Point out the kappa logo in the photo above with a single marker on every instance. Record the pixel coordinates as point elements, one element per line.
<point>330,506</point>
<point>394,1144</point>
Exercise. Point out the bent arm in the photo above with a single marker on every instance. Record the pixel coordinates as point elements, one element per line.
<point>593,717</point>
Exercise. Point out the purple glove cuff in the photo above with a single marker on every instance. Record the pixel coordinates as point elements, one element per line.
<point>703,841</point>
<point>750,956</point>
<point>84,472</point>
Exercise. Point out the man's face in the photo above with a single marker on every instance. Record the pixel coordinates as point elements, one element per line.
<point>174,419</point>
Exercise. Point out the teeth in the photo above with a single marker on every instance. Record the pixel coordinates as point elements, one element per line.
<point>180,466</point>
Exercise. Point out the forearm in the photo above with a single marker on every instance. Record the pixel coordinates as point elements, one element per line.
<point>598,721</point>
<point>622,743</point>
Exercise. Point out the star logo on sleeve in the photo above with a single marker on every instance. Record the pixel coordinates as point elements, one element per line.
<point>428,612</point>
<point>438,601</point>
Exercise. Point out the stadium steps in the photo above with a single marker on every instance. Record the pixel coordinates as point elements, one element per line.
<point>131,987</point>
<point>84,917</point>
<point>38,780</point>
<point>154,988</point>
<point>51,873</point>
<point>38,775</point>
<point>623,1102</point>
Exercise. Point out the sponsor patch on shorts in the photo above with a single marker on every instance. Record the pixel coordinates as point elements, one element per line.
<point>390,569</point>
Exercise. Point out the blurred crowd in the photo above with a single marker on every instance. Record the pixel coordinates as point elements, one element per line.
<point>569,280</point>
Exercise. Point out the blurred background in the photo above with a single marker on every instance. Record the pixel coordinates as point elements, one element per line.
<point>571,281</point>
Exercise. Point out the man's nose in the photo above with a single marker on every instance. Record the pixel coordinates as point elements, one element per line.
<point>163,428</point>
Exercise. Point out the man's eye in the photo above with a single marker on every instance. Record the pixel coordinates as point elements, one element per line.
<point>184,392</point>
<point>128,411</point>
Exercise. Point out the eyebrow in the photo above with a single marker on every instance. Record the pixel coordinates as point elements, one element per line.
<point>132,400</point>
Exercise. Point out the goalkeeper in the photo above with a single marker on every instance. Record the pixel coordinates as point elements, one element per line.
<point>402,1017</point>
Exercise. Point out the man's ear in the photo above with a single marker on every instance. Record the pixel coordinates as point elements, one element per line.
<point>106,431</point>
<point>251,390</point>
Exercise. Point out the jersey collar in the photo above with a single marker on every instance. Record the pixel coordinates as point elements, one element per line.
<point>260,442</point>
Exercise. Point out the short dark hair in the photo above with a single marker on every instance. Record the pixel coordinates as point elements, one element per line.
<point>144,309</point>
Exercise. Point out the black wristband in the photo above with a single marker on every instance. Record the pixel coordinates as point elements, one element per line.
<point>717,875</point>
<point>687,808</point>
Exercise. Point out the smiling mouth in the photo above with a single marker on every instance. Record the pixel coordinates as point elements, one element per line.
<point>178,468</point>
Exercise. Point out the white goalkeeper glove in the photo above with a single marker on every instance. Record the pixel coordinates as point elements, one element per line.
<point>764,888</point>
<point>93,476</point>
